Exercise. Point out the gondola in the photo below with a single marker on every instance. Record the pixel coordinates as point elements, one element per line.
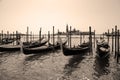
<point>9,48</point>
<point>42,49</point>
<point>37,42</point>
<point>79,50</point>
<point>18,47</point>
<point>103,49</point>
<point>7,40</point>
<point>58,44</point>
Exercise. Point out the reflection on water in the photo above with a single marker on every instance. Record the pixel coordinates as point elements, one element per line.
<point>35,56</point>
<point>56,66</point>
<point>73,64</point>
<point>101,66</point>
<point>4,55</point>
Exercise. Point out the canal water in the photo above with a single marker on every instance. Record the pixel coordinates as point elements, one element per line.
<point>56,66</point>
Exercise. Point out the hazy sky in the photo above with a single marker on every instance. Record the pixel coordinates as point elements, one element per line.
<point>80,14</point>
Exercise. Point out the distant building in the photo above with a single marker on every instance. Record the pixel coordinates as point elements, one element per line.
<point>76,32</point>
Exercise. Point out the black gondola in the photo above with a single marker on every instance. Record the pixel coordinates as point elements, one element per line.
<point>36,44</point>
<point>79,50</point>
<point>39,50</point>
<point>103,49</point>
<point>7,40</point>
<point>18,47</point>
<point>31,43</point>
<point>58,44</point>
<point>9,48</point>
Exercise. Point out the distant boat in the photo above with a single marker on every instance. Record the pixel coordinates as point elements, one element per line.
<point>38,50</point>
<point>79,50</point>
<point>7,40</point>
<point>103,49</point>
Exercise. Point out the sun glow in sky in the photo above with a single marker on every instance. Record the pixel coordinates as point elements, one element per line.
<point>101,15</point>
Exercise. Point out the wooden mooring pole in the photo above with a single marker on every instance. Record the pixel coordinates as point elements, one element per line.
<point>1,36</point>
<point>108,36</point>
<point>40,35</point>
<point>13,37</point>
<point>58,36</point>
<point>70,36</point>
<point>118,48</point>
<point>94,38</point>
<point>112,39</point>
<point>31,36</point>
<point>27,35</point>
<point>17,38</point>
<point>53,36</point>
<point>115,40</point>
<point>90,39</point>
<point>48,37</point>
<point>80,37</point>
<point>67,33</point>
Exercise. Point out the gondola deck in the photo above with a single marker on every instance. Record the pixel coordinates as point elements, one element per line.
<point>79,50</point>
<point>41,49</point>
<point>103,49</point>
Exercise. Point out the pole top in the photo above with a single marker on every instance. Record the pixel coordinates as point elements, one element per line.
<point>89,26</point>
<point>115,26</point>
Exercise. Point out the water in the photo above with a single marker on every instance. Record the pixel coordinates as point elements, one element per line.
<point>56,66</point>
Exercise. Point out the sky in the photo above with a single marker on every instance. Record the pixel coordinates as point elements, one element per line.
<point>101,15</point>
